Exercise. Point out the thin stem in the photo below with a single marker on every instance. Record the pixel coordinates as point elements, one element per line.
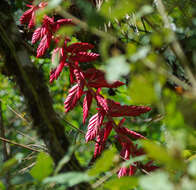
<point>19,145</point>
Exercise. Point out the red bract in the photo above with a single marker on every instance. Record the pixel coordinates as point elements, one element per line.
<point>86,105</point>
<point>28,16</point>
<point>102,137</point>
<point>94,125</point>
<point>46,32</point>
<point>54,74</point>
<point>126,171</point>
<point>129,133</point>
<point>71,55</point>
<point>115,109</point>
<point>74,95</point>
<point>96,79</point>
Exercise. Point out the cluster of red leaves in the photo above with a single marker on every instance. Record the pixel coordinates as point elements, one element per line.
<point>93,80</point>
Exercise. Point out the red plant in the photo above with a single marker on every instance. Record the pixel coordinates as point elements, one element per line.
<point>70,55</point>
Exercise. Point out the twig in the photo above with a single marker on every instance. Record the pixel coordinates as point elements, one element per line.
<point>17,144</point>
<point>74,127</point>
<point>25,135</point>
<point>105,177</point>
<point>143,23</point>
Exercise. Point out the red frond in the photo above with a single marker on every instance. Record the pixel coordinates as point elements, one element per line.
<point>94,125</point>
<point>86,105</point>
<point>27,15</point>
<point>62,22</point>
<point>115,109</point>
<point>56,72</point>
<point>96,79</point>
<point>72,98</point>
<point>84,57</point>
<point>102,137</point>
<point>44,45</point>
<point>130,133</point>
<point>79,47</point>
<point>36,35</point>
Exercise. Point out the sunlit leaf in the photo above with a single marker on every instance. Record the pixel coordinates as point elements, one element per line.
<point>43,167</point>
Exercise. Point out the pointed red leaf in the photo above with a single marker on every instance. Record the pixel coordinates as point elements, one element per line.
<point>28,17</point>
<point>115,109</point>
<point>56,72</point>
<point>130,133</point>
<point>84,57</point>
<point>62,22</point>
<point>36,35</point>
<point>96,79</point>
<point>94,125</point>
<point>86,105</point>
<point>72,98</point>
<point>44,45</point>
<point>101,138</point>
<point>123,172</point>
<point>79,47</point>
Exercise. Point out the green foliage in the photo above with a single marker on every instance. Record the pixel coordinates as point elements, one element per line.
<point>156,181</point>
<point>124,183</point>
<point>104,163</point>
<point>43,167</point>
<point>68,179</point>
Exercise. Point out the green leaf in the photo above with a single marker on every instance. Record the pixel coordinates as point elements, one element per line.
<point>104,163</point>
<point>160,154</point>
<point>116,67</point>
<point>69,178</point>
<point>142,90</point>
<point>43,167</point>
<point>65,159</point>
<point>156,181</point>
<point>2,186</point>
<point>116,9</point>
<point>192,168</point>
<point>124,183</point>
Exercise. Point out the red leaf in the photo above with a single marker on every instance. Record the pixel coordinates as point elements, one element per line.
<point>79,47</point>
<point>86,105</point>
<point>101,138</point>
<point>94,125</point>
<point>36,35</point>
<point>56,72</point>
<point>102,102</point>
<point>44,45</point>
<point>96,79</point>
<point>28,16</point>
<point>71,74</point>
<point>84,57</point>
<point>130,133</point>
<point>115,109</point>
<point>61,22</point>
<point>123,172</point>
<point>72,98</point>
<point>126,171</point>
